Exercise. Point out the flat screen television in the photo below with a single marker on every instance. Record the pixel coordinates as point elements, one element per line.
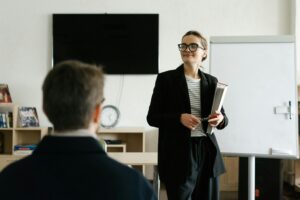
<point>121,43</point>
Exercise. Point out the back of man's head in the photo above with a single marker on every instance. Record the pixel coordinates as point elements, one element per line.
<point>71,92</point>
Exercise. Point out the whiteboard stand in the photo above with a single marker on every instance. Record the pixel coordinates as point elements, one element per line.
<point>272,63</point>
<point>251,178</point>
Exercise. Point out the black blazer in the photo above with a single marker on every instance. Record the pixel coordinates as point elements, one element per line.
<point>64,168</point>
<point>169,100</point>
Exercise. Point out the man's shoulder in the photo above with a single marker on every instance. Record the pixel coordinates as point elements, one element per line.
<point>96,169</point>
<point>15,169</point>
<point>129,179</point>
<point>122,170</point>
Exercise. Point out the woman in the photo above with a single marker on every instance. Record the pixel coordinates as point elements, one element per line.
<point>189,159</point>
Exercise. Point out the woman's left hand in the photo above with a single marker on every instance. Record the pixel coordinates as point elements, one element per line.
<point>215,119</point>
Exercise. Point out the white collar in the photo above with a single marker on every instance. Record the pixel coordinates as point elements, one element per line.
<point>76,133</point>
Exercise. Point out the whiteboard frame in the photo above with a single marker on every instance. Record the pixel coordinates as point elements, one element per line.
<point>253,39</point>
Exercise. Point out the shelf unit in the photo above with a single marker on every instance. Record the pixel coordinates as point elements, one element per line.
<point>133,140</point>
<point>291,168</point>
<point>229,180</point>
<point>116,148</point>
<point>16,135</point>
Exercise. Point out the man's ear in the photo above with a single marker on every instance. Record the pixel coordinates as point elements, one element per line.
<point>97,113</point>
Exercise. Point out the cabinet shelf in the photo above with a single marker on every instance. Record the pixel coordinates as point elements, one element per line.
<point>9,137</point>
<point>133,140</point>
<point>116,147</point>
<point>6,129</point>
<point>28,129</point>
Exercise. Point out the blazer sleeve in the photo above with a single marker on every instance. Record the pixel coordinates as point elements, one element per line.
<point>157,116</point>
<point>224,123</point>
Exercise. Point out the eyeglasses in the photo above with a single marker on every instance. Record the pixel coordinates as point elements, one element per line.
<point>192,47</point>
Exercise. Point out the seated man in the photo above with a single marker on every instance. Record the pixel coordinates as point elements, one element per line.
<point>70,164</point>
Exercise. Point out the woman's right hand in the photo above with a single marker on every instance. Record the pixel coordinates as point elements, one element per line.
<point>190,121</point>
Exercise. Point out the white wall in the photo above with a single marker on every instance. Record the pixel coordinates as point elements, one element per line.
<point>25,41</point>
<point>296,24</point>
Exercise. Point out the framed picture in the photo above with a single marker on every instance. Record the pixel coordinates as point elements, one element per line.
<point>28,117</point>
<point>4,94</point>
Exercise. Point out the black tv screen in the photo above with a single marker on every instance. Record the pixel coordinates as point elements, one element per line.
<point>121,43</point>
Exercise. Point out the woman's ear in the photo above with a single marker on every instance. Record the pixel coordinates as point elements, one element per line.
<point>205,54</point>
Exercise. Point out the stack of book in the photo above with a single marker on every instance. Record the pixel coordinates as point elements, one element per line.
<point>6,120</point>
<point>24,149</point>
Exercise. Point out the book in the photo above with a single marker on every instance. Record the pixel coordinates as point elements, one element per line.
<point>218,100</point>
<point>1,121</point>
<point>23,152</point>
<point>113,141</point>
<point>10,119</point>
<point>25,147</point>
<point>5,94</point>
<point>4,120</point>
<point>28,117</point>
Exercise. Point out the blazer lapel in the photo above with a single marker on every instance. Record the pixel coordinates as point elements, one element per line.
<point>184,93</point>
<point>204,88</point>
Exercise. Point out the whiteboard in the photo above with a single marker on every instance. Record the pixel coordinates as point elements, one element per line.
<point>261,100</point>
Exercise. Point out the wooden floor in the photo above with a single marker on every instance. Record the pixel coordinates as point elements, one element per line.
<point>234,196</point>
<point>223,195</point>
<point>228,196</point>
<point>288,194</point>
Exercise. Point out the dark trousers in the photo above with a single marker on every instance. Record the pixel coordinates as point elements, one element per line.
<point>199,184</point>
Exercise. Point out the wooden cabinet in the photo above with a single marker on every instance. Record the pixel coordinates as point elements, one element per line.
<point>132,139</point>
<point>229,180</point>
<point>9,137</point>
<point>291,173</point>
<point>297,174</point>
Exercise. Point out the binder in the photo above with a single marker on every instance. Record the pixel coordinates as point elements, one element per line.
<point>218,100</point>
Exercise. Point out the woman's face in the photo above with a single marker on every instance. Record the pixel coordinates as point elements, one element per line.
<point>192,57</point>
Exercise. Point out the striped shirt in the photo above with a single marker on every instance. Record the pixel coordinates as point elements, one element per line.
<point>195,101</point>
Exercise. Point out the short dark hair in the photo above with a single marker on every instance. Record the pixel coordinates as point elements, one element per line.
<point>201,37</point>
<point>71,91</point>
